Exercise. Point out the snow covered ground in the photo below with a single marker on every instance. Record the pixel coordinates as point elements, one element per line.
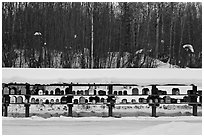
<point>102,126</point>
<point>131,76</point>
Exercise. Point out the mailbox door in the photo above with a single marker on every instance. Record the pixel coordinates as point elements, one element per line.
<point>23,91</point>
<point>19,99</point>
<point>6,91</point>
<point>13,99</point>
<point>33,100</point>
<point>82,100</point>
<point>135,91</point>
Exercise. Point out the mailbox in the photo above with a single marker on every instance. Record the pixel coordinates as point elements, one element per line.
<point>90,99</point>
<point>141,100</point>
<point>133,101</point>
<point>6,99</point>
<point>79,92</point>
<point>86,92</point>
<point>13,99</point>
<point>120,93</point>
<point>67,90</point>
<point>144,100</point>
<point>101,93</point>
<point>161,100</point>
<point>124,92</point>
<point>175,91</point>
<point>23,91</point>
<point>102,100</point>
<point>13,91</point>
<point>93,101</point>
<point>46,92</point>
<point>161,92</point>
<point>37,101</point>
<point>97,99</point>
<point>76,101</point>
<point>57,91</point>
<point>150,101</point>
<point>135,91</point>
<point>41,101</point>
<point>6,91</point>
<point>62,92</point>
<point>57,101</point>
<point>19,99</point>
<point>46,101</point>
<point>156,100</point>
<point>167,99</point>
<point>51,92</point>
<point>91,90</point>
<point>115,92</point>
<point>145,91</point>
<point>33,100</point>
<point>173,100</point>
<point>82,100</point>
<point>64,100</point>
<point>52,101</point>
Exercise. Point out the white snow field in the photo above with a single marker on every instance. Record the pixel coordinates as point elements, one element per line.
<point>102,126</point>
<point>144,76</point>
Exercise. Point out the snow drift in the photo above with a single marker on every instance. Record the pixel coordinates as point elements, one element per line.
<point>102,76</point>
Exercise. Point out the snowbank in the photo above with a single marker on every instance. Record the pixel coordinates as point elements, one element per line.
<point>102,126</point>
<point>131,76</point>
<point>63,118</point>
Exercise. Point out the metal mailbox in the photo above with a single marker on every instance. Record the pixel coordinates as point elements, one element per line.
<point>23,90</point>
<point>51,92</point>
<point>120,93</point>
<point>125,92</point>
<point>13,91</point>
<point>82,100</point>
<point>46,101</point>
<point>76,101</point>
<point>145,91</point>
<point>52,101</point>
<point>33,100</point>
<point>135,91</point>
<point>19,99</point>
<point>57,91</point>
<point>133,101</point>
<point>64,100</point>
<point>124,101</point>
<point>13,99</point>
<point>175,91</point>
<point>6,91</point>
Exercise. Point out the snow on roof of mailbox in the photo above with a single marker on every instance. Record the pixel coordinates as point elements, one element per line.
<point>102,76</point>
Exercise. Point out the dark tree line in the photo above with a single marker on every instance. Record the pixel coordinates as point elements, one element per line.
<point>36,32</point>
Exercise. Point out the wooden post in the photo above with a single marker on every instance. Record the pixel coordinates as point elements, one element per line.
<point>154,111</point>
<point>195,110</point>
<point>110,110</point>
<point>195,100</point>
<point>110,103</point>
<point>70,110</point>
<point>27,107</point>
<point>5,110</point>
<point>69,101</point>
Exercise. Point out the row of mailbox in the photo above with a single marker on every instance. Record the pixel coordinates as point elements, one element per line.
<point>135,91</point>
<point>82,100</point>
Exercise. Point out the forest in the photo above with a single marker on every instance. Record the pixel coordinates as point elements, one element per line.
<point>101,34</point>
